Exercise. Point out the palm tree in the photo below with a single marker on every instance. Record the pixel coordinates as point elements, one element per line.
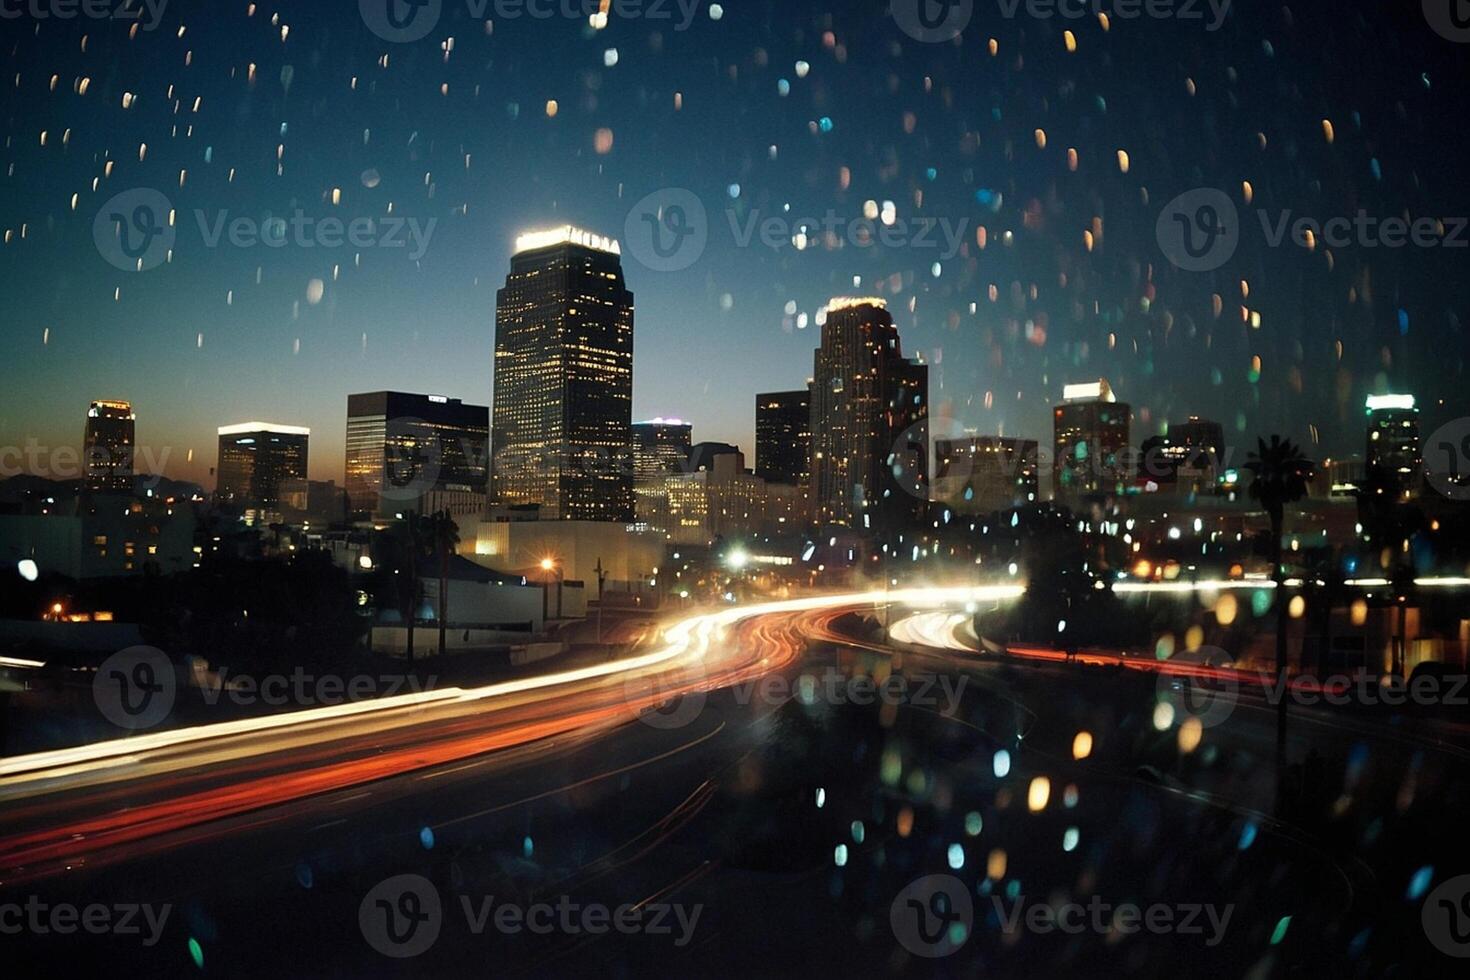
<point>412,525</point>
<point>445,535</point>
<point>1280,475</point>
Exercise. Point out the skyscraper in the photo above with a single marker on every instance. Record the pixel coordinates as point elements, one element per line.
<point>783,436</point>
<point>869,417</point>
<point>660,448</point>
<point>1091,440</point>
<point>1188,460</point>
<point>1395,457</point>
<point>976,474</point>
<point>416,452</point>
<point>255,458</point>
<point>563,404</point>
<point>108,447</point>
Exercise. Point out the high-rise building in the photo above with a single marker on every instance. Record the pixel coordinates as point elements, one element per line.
<point>719,497</point>
<point>424,453</point>
<point>660,448</point>
<point>1395,456</point>
<point>783,436</point>
<point>869,420</point>
<point>560,429</point>
<point>1189,459</point>
<point>256,459</point>
<point>108,447</point>
<point>979,474</point>
<point>1091,430</point>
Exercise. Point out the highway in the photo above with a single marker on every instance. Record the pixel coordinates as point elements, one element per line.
<point>764,812</point>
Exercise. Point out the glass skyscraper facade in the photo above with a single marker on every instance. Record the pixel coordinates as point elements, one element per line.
<point>1395,456</point>
<point>869,415</point>
<point>783,436</point>
<point>1090,432</point>
<point>562,414</point>
<point>255,459</point>
<point>416,452</point>
<point>109,447</point>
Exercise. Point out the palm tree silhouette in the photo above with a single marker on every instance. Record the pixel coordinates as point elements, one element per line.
<point>1280,475</point>
<point>444,534</point>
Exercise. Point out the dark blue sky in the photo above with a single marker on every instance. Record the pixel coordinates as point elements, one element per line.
<point>943,131</point>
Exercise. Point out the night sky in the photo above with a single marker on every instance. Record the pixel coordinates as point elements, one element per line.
<point>264,109</point>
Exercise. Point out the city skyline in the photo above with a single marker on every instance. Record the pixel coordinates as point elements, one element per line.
<point>564,136</point>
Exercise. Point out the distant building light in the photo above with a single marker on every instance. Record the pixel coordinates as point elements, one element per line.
<point>244,428</point>
<point>565,235</point>
<point>849,302</point>
<point>1098,390</point>
<point>1378,403</point>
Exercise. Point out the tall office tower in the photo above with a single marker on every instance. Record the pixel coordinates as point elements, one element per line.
<point>255,458</point>
<point>979,474</point>
<point>1394,455</point>
<point>563,406</point>
<point>1188,460</point>
<point>869,420</point>
<point>108,447</point>
<point>660,447</point>
<point>717,497</point>
<point>1091,442</point>
<point>425,453</point>
<point>783,436</point>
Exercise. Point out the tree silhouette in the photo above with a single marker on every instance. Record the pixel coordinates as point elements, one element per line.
<point>1280,475</point>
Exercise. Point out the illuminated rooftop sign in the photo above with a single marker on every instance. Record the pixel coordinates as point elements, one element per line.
<point>848,302</point>
<point>1377,403</point>
<point>1098,390</point>
<point>249,427</point>
<point>565,235</point>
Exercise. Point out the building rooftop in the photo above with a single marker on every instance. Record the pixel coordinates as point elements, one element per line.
<point>565,235</point>
<point>246,427</point>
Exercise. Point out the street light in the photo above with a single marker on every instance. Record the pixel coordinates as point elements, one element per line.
<point>548,565</point>
<point>28,569</point>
